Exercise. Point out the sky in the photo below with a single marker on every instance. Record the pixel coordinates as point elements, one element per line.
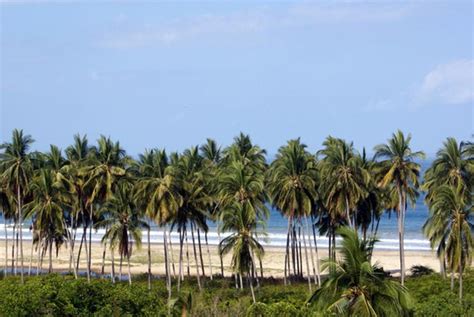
<point>171,74</point>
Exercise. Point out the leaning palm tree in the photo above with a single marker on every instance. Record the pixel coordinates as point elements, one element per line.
<point>397,168</point>
<point>450,227</point>
<point>240,220</point>
<point>17,169</point>
<point>292,182</point>
<point>355,287</point>
<point>123,223</point>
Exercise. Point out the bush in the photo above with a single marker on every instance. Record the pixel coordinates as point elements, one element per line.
<point>420,270</point>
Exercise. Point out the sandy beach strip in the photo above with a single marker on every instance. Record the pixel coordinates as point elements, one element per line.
<point>273,260</point>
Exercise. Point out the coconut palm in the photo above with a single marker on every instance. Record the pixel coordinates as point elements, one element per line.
<point>292,180</point>
<point>46,210</point>
<point>104,169</point>
<point>453,166</point>
<point>212,159</point>
<point>73,182</point>
<point>450,227</point>
<point>158,190</point>
<point>195,202</point>
<point>240,220</point>
<point>355,287</point>
<point>345,179</point>
<point>123,223</point>
<point>17,170</point>
<point>397,168</point>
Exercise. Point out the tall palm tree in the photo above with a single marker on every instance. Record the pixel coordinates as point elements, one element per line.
<point>158,189</point>
<point>123,223</point>
<point>106,166</point>
<point>453,166</point>
<point>17,169</point>
<point>240,220</point>
<point>397,167</point>
<point>450,226</point>
<point>212,159</point>
<point>73,182</point>
<point>46,210</point>
<point>195,202</point>
<point>355,287</point>
<point>292,180</point>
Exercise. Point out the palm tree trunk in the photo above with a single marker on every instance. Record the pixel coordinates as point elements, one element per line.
<point>287,253</point>
<point>6,246</point>
<point>129,272</point>
<point>50,269</point>
<point>460,280</point>
<point>261,267</point>
<point>112,271</point>
<point>104,250</point>
<point>241,282</point>
<point>80,248</point>
<point>89,260</point>
<point>300,253</point>
<point>13,248</point>
<point>120,267</point>
<point>31,256</point>
<point>208,254</point>
<point>251,287</point>
<point>17,241</point>
<point>38,264</point>
<point>196,258</point>
<point>200,252</point>
<point>149,257</point>
<point>168,275</point>
<point>401,224</point>
<point>20,223</point>
<point>308,271</point>
<point>180,264</point>
<point>219,243</point>
<point>452,280</point>
<point>318,271</point>
<point>187,251</point>
<point>171,253</point>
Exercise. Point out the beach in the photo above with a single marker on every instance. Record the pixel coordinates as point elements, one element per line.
<point>273,260</point>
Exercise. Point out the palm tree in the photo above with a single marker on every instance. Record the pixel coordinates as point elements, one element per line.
<point>292,187</point>
<point>73,182</point>
<point>355,287</point>
<point>345,180</point>
<point>243,241</point>
<point>195,202</point>
<point>17,168</point>
<point>123,223</point>
<point>46,210</point>
<point>397,168</point>
<point>158,189</point>
<point>453,166</point>
<point>212,159</point>
<point>106,166</point>
<point>450,227</point>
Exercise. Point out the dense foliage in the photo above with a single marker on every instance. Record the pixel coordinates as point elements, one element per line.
<point>53,295</point>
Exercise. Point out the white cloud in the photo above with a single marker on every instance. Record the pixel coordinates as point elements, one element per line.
<point>256,20</point>
<point>451,83</point>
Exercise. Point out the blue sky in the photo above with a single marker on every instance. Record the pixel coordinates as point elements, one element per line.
<point>171,74</point>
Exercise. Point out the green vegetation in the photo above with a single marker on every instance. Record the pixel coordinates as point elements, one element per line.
<point>99,186</point>
<point>53,295</point>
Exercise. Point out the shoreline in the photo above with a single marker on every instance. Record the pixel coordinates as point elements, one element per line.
<point>273,260</point>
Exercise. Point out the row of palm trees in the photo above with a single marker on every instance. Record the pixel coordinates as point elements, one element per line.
<point>100,186</point>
